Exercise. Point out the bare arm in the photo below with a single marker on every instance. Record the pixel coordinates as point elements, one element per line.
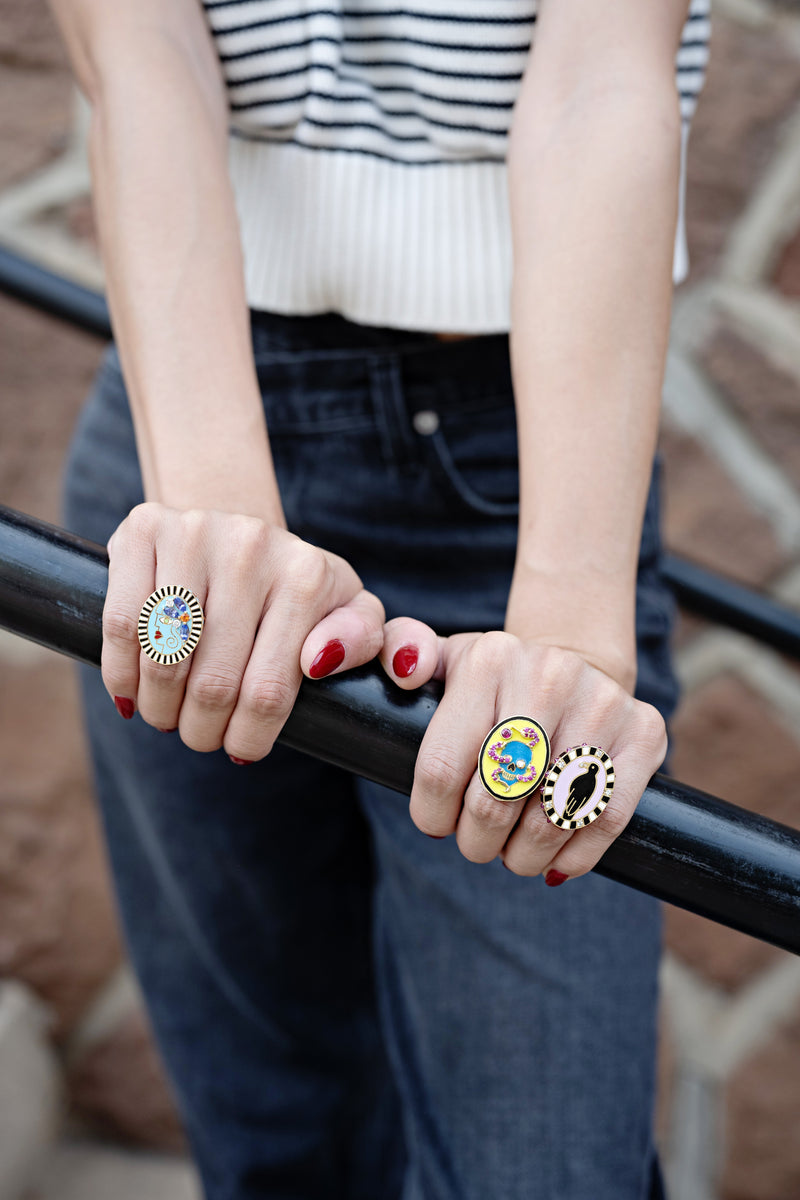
<point>214,521</point>
<point>593,183</point>
<point>593,180</point>
<point>170,243</point>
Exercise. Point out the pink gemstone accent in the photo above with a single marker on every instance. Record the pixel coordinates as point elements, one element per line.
<point>506,733</point>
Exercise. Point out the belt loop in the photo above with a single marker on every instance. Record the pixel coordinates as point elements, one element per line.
<point>388,402</point>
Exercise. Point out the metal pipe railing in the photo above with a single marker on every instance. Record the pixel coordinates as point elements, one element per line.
<point>53,294</point>
<point>682,845</point>
<point>702,591</point>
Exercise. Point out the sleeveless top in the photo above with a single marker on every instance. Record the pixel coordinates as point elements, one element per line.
<point>367,152</point>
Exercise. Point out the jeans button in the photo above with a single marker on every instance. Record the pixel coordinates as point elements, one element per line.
<point>425,422</point>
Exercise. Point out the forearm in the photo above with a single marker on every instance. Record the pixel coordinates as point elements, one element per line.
<point>594,204</point>
<point>169,239</point>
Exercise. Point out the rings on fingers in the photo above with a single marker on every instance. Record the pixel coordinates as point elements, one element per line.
<point>170,624</point>
<point>578,787</point>
<point>513,758</point>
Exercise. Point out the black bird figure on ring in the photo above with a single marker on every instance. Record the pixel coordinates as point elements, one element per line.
<point>580,790</point>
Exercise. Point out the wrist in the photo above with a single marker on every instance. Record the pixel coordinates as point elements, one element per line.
<point>250,491</point>
<point>581,610</point>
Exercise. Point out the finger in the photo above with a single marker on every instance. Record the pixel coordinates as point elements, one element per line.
<point>583,706</point>
<point>449,752</point>
<point>269,685</point>
<point>636,758</point>
<point>131,579</point>
<point>537,688</point>
<point>162,685</point>
<point>411,653</point>
<point>487,824</point>
<point>535,842</point>
<point>233,612</point>
<point>347,637</point>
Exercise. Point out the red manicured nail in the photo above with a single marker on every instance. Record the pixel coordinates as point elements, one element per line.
<point>160,730</point>
<point>124,707</point>
<point>241,762</point>
<point>437,837</point>
<point>555,878</point>
<point>404,662</point>
<point>329,658</point>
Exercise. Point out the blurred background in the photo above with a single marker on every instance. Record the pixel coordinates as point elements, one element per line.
<point>84,1108</point>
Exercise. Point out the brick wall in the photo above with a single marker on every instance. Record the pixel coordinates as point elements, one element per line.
<point>730,1094</point>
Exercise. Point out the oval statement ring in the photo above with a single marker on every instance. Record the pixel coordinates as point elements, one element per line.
<point>513,758</point>
<point>578,787</point>
<point>170,624</point>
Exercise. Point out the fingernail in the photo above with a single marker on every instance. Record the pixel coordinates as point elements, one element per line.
<point>160,730</point>
<point>555,878</point>
<point>124,707</point>
<point>437,837</point>
<point>241,762</point>
<point>404,662</point>
<point>329,658</point>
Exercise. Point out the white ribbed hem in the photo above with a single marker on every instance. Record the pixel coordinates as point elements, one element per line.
<point>384,244</point>
<point>411,247</point>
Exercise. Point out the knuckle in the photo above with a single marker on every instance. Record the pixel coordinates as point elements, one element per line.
<point>250,540</point>
<point>160,677</point>
<point>377,612</point>
<point>309,575</point>
<point>270,696</point>
<point>607,701</point>
<point>615,819</point>
<point>652,729</point>
<point>491,646</point>
<point>143,522</point>
<point>146,516</point>
<point>491,814</point>
<point>119,625</point>
<point>213,689</point>
<point>534,824</point>
<point>193,523</point>
<point>437,775</point>
<point>559,670</point>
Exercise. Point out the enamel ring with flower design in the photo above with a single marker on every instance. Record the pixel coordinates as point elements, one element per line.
<point>170,624</point>
<point>578,787</point>
<point>513,758</point>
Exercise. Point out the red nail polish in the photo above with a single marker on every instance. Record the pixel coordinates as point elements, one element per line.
<point>124,707</point>
<point>555,878</point>
<point>404,662</point>
<point>329,658</point>
<point>241,762</point>
<point>437,837</point>
<point>160,730</point>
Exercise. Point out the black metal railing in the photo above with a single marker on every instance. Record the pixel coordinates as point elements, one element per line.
<point>682,845</point>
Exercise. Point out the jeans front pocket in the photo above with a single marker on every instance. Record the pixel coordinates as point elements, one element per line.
<point>472,456</point>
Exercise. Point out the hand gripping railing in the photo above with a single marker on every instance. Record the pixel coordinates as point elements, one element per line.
<point>681,845</point>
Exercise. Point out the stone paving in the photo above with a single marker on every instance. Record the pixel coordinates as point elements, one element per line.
<point>730,1090</point>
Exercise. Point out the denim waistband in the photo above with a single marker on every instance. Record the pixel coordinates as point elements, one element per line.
<point>326,352</point>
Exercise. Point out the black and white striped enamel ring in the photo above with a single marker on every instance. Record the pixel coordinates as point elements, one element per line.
<point>170,624</point>
<point>578,787</point>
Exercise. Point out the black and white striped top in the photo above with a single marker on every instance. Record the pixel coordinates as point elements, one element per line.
<point>398,84</point>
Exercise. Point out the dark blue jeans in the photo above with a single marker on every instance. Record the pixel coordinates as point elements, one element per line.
<point>347,1008</point>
